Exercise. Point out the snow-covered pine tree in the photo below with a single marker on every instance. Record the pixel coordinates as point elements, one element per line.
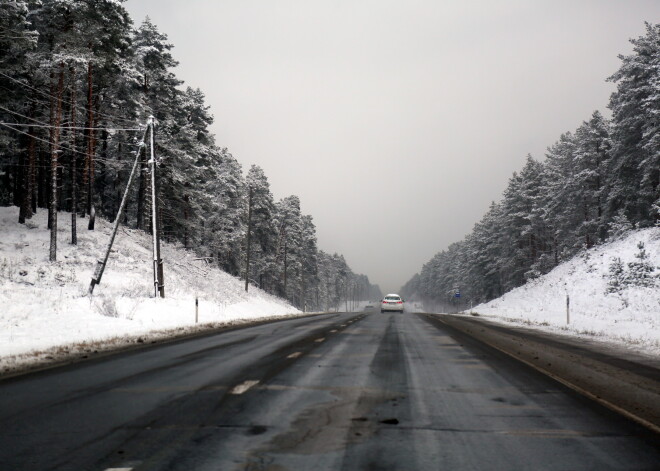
<point>641,272</point>
<point>592,152</point>
<point>224,224</point>
<point>263,229</point>
<point>17,39</point>
<point>635,171</point>
<point>617,279</point>
<point>619,225</point>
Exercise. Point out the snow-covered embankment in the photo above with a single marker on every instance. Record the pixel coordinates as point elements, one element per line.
<point>45,310</point>
<point>612,307</point>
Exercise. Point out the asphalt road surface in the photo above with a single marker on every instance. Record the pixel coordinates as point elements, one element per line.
<point>329,392</point>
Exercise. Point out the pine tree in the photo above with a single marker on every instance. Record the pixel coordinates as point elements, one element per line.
<point>617,279</point>
<point>619,225</point>
<point>635,169</point>
<point>264,231</point>
<point>640,272</point>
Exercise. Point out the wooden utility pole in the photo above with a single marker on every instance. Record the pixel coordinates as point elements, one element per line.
<point>100,266</point>
<point>159,286</point>
<point>249,237</point>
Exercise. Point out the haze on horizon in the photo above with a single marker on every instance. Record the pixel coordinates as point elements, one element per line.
<point>396,123</point>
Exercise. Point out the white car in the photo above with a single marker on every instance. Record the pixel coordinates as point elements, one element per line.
<point>392,302</point>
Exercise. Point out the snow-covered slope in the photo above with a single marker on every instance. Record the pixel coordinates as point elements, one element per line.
<point>45,305</point>
<point>630,316</point>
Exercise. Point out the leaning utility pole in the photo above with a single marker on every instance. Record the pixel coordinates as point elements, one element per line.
<point>249,231</point>
<point>159,286</point>
<point>100,267</point>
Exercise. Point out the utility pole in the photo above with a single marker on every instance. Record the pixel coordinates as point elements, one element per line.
<point>159,287</point>
<point>285,296</point>
<point>249,231</point>
<point>100,266</point>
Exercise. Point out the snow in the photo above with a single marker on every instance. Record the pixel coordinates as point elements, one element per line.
<point>630,318</point>
<point>45,311</point>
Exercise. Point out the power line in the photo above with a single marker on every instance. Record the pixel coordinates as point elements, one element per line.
<point>23,116</point>
<point>42,140</point>
<point>98,113</point>
<point>63,147</point>
<point>23,125</point>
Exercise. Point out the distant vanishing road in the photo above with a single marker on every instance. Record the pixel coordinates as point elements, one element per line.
<point>329,392</point>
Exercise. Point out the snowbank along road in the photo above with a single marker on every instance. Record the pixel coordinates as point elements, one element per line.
<point>337,391</point>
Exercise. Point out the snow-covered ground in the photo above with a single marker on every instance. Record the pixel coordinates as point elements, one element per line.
<point>45,311</point>
<point>630,317</point>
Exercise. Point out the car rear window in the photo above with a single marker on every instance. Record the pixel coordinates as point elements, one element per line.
<point>392,298</point>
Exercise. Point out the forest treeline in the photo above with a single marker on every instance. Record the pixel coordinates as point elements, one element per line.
<point>78,82</point>
<point>594,183</point>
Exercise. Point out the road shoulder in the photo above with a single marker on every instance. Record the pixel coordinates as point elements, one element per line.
<point>625,382</point>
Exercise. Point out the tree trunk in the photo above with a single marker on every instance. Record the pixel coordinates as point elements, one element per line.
<point>15,184</point>
<point>115,209</point>
<point>74,161</point>
<point>142,194</point>
<point>53,166</point>
<point>48,195</point>
<point>186,204</point>
<point>87,183</point>
<point>29,199</point>
<point>42,187</point>
<point>102,161</point>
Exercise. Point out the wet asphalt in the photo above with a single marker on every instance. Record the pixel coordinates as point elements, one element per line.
<point>361,391</point>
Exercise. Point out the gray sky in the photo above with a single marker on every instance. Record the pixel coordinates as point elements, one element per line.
<point>396,122</point>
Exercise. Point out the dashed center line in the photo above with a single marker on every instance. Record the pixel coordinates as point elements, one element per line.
<point>244,386</point>
<point>295,355</point>
<point>320,340</point>
<point>333,331</point>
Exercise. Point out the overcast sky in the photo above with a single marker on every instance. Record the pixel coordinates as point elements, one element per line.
<point>396,122</point>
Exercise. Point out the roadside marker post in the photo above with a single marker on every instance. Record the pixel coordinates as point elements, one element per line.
<point>568,313</point>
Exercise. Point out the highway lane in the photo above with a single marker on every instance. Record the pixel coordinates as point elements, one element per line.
<point>337,391</point>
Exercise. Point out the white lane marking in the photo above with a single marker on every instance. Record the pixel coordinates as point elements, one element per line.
<point>244,386</point>
<point>320,340</point>
<point>333,331</point>
<point>343,325</point>
<point>295,355</point>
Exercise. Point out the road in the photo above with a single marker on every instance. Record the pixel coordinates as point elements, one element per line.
<point>329,392</point>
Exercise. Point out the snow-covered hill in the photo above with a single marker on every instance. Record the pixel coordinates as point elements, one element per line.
<point>44,307</point>
<point>629,316</point>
